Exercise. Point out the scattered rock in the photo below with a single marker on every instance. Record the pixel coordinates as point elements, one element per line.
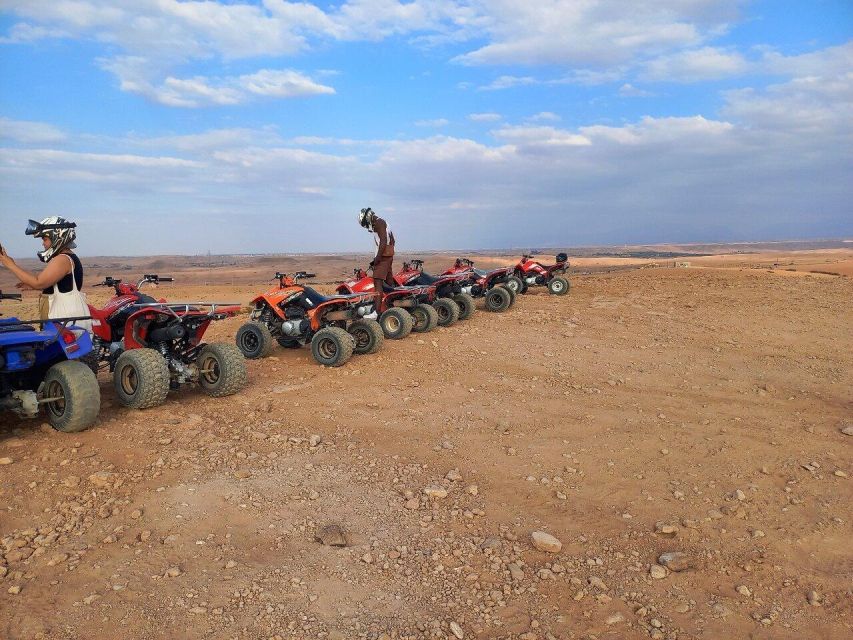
<point>15,590</point>
<point>847,431</point>
<point>546,542</point>
<point>5,461</point>
<point>457,630</point>
<point>743,590</point>
<point>666,529</point>
<point>614,618</point>
<point>658,572</point>
<point>57,558</point>
<point>315,440</point>
<point>242,474</point>
<point>102,479</point>
<point>435,492</point>
<point>675,561</point>
<point>331,535</point>
<point>173,572</point>
<point>454,475</point>
<point>91,598</point>
<point>515,572</point>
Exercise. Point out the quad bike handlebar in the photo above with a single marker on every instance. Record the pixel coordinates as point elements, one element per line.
<point>299,275</point>
<point>152,278</point>
<point>527,256</point>
<point>10,296</point>
<point>417,265</point>
<point>465,261</point>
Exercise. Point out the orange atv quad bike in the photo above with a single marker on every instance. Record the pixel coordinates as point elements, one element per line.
<point>294,315</point>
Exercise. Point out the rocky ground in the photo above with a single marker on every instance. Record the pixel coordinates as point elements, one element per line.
<point>663,453</point>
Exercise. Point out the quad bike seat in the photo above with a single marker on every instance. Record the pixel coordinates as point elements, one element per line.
<point>314,296</point>
<point>9,328</point>
<point>386,288</point>
<point>425,278</point>
<point>481,272</point>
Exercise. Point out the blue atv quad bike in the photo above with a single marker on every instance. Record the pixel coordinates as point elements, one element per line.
<point>42,368</point>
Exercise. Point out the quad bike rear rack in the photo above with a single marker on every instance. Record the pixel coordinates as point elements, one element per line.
<point>172,308</point>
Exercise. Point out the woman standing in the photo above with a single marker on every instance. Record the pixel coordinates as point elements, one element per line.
<point>61,280</point>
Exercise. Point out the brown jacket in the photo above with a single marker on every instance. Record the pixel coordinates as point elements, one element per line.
<point>385,241</point>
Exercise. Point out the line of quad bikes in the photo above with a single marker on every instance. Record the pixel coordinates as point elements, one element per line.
<point>152,347</point>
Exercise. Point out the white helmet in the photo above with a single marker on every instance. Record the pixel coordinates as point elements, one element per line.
<point>365,218</point>
<point>59,230</point>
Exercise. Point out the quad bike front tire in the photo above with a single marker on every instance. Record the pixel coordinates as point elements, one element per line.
<point>368,336</point>
<point>425,318</point>
<point>78,396</point>
<point>514,284</point>
<point>288,343</point>
<point>396,323</point>
<point>466,305</point>
<point>512,295</point>
<point>448,311</point>
<point>222,369</point>
<point>332,346</point>
<point>558,286</point>
<point>254,340</point>
<point>141,378</point>
<point>497,299</point>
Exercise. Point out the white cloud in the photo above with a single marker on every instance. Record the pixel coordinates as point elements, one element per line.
<point>530,137</point>
<point>628,90</point>
<point>30,132</point>
<point>695,65</point>
<point>592,37</point>
<point>544,116</point>
<point>435,124</point>
<point>137,75</point>
<point>484,117</point>
<point>508,82</point>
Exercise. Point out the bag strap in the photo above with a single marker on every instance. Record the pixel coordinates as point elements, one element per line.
<point>73,279</point>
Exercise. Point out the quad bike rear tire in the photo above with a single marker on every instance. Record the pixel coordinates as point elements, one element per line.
<point>254,340</point>
<point>466,305</point>
<point>512,295</point>
<point>497,299</point>
<point>558,285</point>
<point>78,393</point>
<point>141,378</point>
<point>448,311</point>
<point>332,346</point>
<point>425,318</point>
<point>524,286</point>
<point>514,284</point>
<point>222,369</point>
<point>396,323</point>
<point>288,343</point>
<point>368,336</point>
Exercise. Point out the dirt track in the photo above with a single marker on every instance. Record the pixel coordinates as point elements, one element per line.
<point>709,400</point>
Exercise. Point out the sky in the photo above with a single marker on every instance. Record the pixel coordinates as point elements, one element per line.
<point>263,126</point>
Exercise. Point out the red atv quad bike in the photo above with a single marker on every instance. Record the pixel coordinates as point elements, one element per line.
<point>487,281</point>
<point>152,347</point>
<point>401,309</point>
<point>534,274</point>
<point>294,315</point>
<point>456,304</point>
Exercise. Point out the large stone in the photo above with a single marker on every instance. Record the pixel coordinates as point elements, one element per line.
<point>331,535</point>
<point>546,542</point>
<point>675,561</point>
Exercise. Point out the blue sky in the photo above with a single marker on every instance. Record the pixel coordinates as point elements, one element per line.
<point>263,126</point>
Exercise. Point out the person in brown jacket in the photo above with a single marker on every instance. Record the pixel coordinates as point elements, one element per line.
<point>383,263</point>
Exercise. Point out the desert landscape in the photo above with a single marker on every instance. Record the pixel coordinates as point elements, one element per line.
<point>683,434</point>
